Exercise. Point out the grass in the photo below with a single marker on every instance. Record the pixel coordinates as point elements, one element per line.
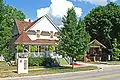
<point>97,62</point>
<point>113,62</point>
<point>46,71</point>
<point>107,63</point>
<point>5,67</point>
<point>63,61</point>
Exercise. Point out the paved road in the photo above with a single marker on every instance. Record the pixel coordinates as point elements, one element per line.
<point>105,74</point>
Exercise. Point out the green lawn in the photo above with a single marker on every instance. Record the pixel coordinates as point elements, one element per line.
<point>113,62</point>
<point>5,67</point>
<point>63,62</point>
<point>5,70</point>
<point>46,71</point>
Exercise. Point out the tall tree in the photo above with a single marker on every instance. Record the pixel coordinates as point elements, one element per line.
<point>116,50</point>
<point>10,14</point>
<point>73,37</point>
<point>103,22</point>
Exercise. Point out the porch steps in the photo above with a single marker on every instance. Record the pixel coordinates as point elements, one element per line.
<point>62,62</point>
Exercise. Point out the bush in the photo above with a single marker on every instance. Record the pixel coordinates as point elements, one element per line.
<point>80,58</point>
<point>42,61</point>
<point>35,61</point>
<point>19,48</point>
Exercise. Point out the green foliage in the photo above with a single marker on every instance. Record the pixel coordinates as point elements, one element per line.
<point>35,61</point>
<point>103,22</point>
<point>51,48</point>
<point>19,48</point>
<point>8,15</point>
<point>116,50</point>
<point>42,61</point>
<point>73,37</point>
<point>80,57</point>
<point>33,48</point>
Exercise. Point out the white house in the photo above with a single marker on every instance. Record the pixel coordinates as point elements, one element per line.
<point>41,33</point>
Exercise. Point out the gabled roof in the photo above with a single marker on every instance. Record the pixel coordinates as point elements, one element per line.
<point>23,38</point>
<point>21,25</point>
<point>24,27</point>
<point>45,16</point>
<point>96,43</point>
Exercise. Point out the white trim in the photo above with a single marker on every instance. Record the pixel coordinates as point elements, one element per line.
<point>48,18</point>
<point>97,42</point>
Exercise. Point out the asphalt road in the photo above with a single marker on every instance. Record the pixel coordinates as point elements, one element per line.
<point>105,74</point>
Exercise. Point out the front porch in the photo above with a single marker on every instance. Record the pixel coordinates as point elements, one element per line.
<point>35,50</point>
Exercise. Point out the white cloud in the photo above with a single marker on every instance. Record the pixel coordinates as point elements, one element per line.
<point>58,9</point>
<point>42,11</point>
<point>96,2</point>
<point>113,0</point>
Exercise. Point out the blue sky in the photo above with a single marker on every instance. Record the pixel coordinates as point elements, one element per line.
<point>56,8</point>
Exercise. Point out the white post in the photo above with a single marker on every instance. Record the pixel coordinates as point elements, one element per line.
<point>38,49</point>
<point>29,48</point>
<point>108,57</point>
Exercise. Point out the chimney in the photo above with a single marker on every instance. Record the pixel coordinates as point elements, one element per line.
<point>29,20</point>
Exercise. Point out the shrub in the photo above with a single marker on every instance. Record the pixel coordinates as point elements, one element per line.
<point>80,58</point>
<point>42,61</point>
<point>19,48</point>
<point>51,48</point>
<point>35,61</point>
<point>33,48</point>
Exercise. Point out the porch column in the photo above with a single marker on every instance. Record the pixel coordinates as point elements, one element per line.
<point>29,48</point>
<point>47,50</point>
<point>38,50</point>
<point>94,59</point>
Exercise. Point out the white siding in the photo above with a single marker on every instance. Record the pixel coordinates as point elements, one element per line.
<point>43,25</point>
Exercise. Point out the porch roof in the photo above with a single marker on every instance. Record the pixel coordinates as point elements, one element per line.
<point>24,39</point>
<point>96,43</point>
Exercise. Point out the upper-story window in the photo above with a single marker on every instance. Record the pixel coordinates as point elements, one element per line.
<point>31,32</point>
<point>45,33</point>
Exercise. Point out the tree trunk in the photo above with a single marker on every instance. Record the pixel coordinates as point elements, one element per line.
<point>72,63</point>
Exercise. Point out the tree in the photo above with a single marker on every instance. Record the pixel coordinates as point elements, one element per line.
<point>116,50</point>
<point>103,22</point>
<point>73,37</point>
<point>7,38</point>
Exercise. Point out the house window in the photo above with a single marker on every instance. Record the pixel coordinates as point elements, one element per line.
<point>31,32</point>
<point>45,33</point>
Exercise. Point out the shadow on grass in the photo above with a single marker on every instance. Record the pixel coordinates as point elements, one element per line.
<point>14,71</point>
